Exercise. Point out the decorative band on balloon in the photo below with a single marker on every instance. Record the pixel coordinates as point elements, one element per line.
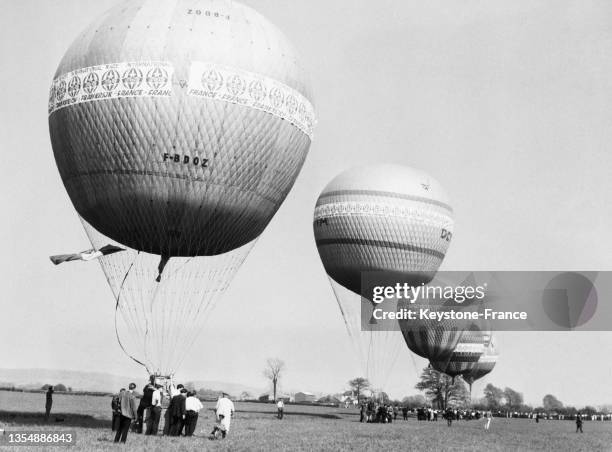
<point>256,91</point>
<point>380,244</point>
<point>383,194</point>
<point>335,209</point>
<point>111,81</point>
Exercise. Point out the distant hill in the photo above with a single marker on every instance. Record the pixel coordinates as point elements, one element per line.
<point>233,389</point>
<point>78,381</point>
<point>101,382</point>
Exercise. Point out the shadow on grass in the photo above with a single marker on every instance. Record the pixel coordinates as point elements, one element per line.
<point>55,420</point>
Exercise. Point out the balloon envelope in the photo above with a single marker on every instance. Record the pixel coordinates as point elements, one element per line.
<point>179,126</point>
<point>466,354</point>
<point>387,218</point>
<point>483,366</point>
<point>433,340</point>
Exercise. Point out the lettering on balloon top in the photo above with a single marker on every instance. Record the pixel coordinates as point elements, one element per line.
<point>207,13</point>
<point>111,81</point>
<point>240,87</point>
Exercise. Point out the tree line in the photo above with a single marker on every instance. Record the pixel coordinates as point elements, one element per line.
<point>442,392</point>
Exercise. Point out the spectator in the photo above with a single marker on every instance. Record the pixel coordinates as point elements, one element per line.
<point>192,409</point>
<point>579,423</point>
<point>488,417</point>
<point>224,411</point>
<point>280,406</point>
<point>49,402</point>
<point>154,411</point>
<point>177,413</point>
<point>128,413</point>
<point>145,402</point>
<point>174,391</point>
<point>116,407</point>
<point>219,428</point>
<point>449,415</point>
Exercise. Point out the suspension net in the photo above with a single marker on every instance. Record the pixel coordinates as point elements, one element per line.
<point>378,350</point>
<point>162,304</point>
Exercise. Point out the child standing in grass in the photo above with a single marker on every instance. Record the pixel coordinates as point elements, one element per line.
<point>219,429</point>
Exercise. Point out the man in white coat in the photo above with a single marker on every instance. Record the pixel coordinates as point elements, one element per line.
<point>225,407</point>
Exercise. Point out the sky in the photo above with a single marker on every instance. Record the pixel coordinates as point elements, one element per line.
<point>508,104</point>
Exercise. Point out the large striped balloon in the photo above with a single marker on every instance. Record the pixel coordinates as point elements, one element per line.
<point>179,126</point>
<point>387,218</point>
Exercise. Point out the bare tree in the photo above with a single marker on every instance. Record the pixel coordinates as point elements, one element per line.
<point>272,372</point>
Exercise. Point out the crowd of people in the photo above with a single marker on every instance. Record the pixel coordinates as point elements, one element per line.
<point>372,411</point>
<point>375,412</point>
<point>182,408</point>
<point>451,415</point>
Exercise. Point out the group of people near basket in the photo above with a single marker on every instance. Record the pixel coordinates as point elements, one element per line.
<point>180,418</point>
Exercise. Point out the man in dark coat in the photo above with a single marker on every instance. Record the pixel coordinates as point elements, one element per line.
<point>449,415</point>
<point>578,423</point>
<point>173,390</point>
<point>155,411</point>
<point>145,402</point>
<point>177,413</point>
<point>48,402</point>
<point>128,413</point>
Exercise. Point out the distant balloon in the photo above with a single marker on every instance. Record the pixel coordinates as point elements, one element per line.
<point>483,366</point>
<point>435,344</point>
<point>178,128</point>
<point>466,354</point>
<point>433,340</point>
<point>387,218</point>
<point>445,342</point>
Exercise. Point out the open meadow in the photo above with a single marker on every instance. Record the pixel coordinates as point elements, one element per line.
<point>304,428</point>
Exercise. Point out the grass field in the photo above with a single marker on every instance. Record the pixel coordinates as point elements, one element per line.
<point>304,428</point>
